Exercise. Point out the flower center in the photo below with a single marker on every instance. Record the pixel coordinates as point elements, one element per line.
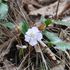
<point>31,34</point>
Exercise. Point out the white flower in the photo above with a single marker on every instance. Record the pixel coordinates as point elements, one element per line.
<point>33,35</point>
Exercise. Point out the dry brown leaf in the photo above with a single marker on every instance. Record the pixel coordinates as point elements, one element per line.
<point>47,10</point>
<point>46,1</point>
<point>33,2</point>
<point>51,9</point>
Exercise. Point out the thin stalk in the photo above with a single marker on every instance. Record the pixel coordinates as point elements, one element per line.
<point>57,9</point>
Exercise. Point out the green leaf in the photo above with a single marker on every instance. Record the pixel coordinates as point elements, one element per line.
<point>3,1</point>
<point>46,21</point>
<point>0,1</point>
<point>21,53</point>
<point>23,27</point>
<point>42,66</point>
<point>54,39</point>
<point>3,10</point>
<point>9,25</point>
<point>65,23</point>
<point>63,46</point>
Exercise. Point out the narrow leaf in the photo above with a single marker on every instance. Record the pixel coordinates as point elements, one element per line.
<point>0,1</point>
<point>57,41</point>
<point>46,21</point>
<point>63,46</point>
<point>52,37</point>
<point>23,27</point>
<point>3,10</point>
<point>9,25</point>
<point>65,23</point>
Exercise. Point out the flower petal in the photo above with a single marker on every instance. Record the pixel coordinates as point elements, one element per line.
<point>33,35</point>
<point>29,31</point>
<point>38,36</point>
<point>33,42</point>
<point>35,29</point>
<point>27,38</point>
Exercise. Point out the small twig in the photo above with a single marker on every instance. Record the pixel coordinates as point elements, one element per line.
<point>38,50</point>
<point>67,54</point>
<point>21,65</point>
<point>33,3</point>
<point>25,15</point>
<point>29,60</point>
<point>23,60</point>
<point>4,45</point>
<point>57,9</point>
<point>8,48</point>
<point>48,50</point>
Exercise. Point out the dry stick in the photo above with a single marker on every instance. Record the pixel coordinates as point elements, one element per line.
<point>19,12</point>
<point>61,59</point>
<point>11,19</point>
<point>25,15</point>
<point>8,48</point>
<point>33,3</point>
<point>57,9</point>
<point>4,45</point>
<point>6,31</point>
<point>8,66</point>
<point>22,12</point>
<point>17,36</point>
<point>36,60</point>
<point>21,65</point>
<point>66,61</point>
<point>52,52</point>
<point>4,52</point>
<point>23,60</point>
<point>67,54</point>
<point>48,50</point>
<point>38,49</point>
<point>56,17</point>
<point>1,40</point>
<point>29,60</point>
<point>27,67</point>
<point>66,7</point>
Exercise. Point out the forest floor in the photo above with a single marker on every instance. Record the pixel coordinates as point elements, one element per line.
<point>52,52</point>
